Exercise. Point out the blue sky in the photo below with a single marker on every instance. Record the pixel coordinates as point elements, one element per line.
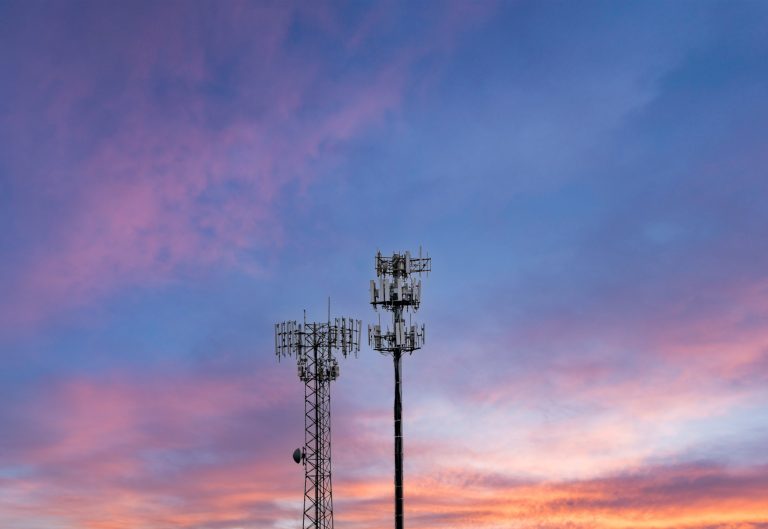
<point>587,177</point>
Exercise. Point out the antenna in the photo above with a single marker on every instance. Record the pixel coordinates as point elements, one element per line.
<point>398,291</point>
<point>312,344</point>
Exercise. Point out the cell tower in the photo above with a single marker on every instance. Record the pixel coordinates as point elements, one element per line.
<point>313,344</point>
<point>397,292</point>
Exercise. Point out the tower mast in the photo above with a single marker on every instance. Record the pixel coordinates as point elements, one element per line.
<point>313,345</point>
<point>398,291</point>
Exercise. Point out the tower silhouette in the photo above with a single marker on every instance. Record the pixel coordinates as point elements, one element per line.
<point>313,345</point>
<point>398,292</point>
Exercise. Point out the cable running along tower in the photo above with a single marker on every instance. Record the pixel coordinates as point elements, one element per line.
<point>398,292</point>
<point>313,345</point>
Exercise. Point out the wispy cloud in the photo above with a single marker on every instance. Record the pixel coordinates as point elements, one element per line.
<point>186,139</point>
<point>589,182</point>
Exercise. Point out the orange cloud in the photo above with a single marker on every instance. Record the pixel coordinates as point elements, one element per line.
<point>691,497</point>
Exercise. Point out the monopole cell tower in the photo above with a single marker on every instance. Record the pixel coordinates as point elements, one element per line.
<point>398,291</point>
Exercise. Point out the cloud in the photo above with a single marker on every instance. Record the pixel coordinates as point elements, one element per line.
<point>172,138</point>
<point>151,450</point>
<point>697,496</point>
<point>208,450</point>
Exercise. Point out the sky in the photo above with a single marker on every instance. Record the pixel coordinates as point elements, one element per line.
<point>589,179</point>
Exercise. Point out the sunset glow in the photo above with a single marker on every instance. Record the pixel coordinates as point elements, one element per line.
<point>588,178</point>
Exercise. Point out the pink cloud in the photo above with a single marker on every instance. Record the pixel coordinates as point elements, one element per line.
<point>577,398</point>
<point>154,450</point>
<point>169,176</point>
<point>192,449</point>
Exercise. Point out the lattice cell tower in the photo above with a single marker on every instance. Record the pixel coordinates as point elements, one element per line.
<point>398,291</point>
<point>313,345</point>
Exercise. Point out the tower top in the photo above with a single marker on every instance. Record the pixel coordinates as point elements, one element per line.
<point>301,339</point>
<point>402,264</point>
<point>398,289</point>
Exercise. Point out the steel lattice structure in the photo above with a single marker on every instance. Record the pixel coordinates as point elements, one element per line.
<point>313,345</point>
<point>397,292</point>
